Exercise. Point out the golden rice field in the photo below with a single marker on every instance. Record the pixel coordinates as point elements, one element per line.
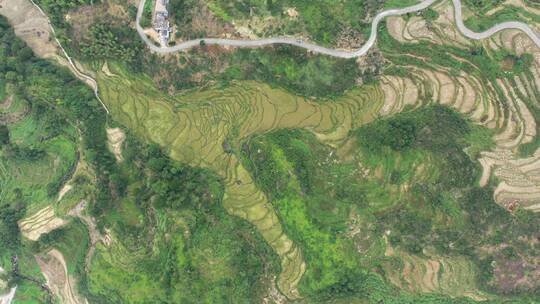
<point>203,128</point>
<point>197,129</point>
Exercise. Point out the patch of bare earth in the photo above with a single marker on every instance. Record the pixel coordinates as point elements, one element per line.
<point>29,25</point>
<point>274,295</point>
<point>115,140</point>
<point>512,275</point>
<point>54,268</point>
<point>8,297</point>
<point>515,271</point>
<point>81,18</point>
<point>43,222</point>
<point>33,28</point>
<point>11,118</point>
<point>64,191</point>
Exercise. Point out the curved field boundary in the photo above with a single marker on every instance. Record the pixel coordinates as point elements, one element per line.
<point>336,52</point>
<point>195,133</point>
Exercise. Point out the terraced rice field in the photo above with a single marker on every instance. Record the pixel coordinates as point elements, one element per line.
<point>432,274</point>
<point>507,104</point>
<point>34,177</point>
<point>42,222</point>
<point>201,129</point>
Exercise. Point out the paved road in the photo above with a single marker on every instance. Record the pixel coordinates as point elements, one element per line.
<point>335,52</point>
<point>498,27</point>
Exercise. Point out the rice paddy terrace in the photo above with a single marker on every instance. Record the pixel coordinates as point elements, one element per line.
<point>504,98</point>
<point>495,83</point>
<point>202,129</point>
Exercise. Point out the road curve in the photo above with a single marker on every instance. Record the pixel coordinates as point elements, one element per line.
<point>336,52</point>
<point>514,25</point>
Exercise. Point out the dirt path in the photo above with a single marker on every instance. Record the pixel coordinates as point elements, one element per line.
<point>8,297</point>
<point>32,25</point>
<point>54,268</point>
<point>95,235</point>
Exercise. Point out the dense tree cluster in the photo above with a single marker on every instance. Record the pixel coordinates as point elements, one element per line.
<point>4,135</point>
<point>56,9</point>
<point>9,229</point>
<point>322,20</point>
<point>111,42</point>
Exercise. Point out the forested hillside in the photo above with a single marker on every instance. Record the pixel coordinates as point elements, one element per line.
<point>271,175</point>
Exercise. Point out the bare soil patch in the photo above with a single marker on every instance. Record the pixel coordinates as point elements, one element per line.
<point>8,298</point>
<point>43,222</point>
<point>64,191</point>
<point>54,268</point>
<point>11,118</point>
<point>203,21</point>
<point>115,140</point>
<point>30,25</point>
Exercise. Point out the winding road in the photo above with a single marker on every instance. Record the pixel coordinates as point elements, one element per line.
<point>336,52</point>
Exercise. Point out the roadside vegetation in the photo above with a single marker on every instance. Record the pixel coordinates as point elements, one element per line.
<point>146,18</point>
<point>481,22</point>
<point>284,66</point>
<point>325,22</point>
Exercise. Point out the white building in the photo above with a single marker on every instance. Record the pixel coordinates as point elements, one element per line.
<point>161,21</point>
